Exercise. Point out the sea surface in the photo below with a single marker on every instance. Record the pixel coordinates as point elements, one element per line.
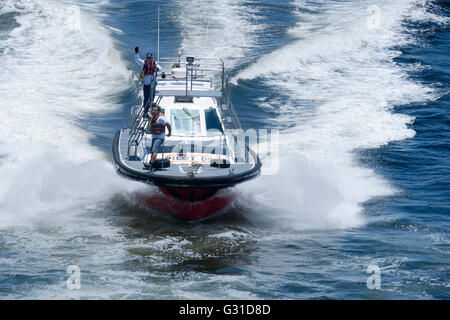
<point>358,89</point>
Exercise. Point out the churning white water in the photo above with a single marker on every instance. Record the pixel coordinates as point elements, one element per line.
<point>342,86</point>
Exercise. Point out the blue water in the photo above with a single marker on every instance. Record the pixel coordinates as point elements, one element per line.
<point>358,89</point>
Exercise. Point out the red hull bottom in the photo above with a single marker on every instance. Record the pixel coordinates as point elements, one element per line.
<point>189,204</point>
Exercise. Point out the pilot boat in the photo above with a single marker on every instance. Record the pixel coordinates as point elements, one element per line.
<point>206,154</point>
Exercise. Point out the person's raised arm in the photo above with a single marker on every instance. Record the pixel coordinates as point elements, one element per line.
<point>138,60</point>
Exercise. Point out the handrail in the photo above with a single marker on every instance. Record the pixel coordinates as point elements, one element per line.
<point>201,65</point>
<point>140,124</point>
<point>229,115</point>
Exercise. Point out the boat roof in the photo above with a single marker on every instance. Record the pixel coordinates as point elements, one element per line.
<point>175,92</point>
<point>178,88</point>
<point>198,103</point>
<point>194,77</point>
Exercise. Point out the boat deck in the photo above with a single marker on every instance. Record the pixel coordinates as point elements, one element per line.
<point>179,163</point>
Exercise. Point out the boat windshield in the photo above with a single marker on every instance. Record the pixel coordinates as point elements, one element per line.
<point>185,122</point>
<point>213,126</point>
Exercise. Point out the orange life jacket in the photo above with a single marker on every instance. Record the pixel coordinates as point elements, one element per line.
<point>157,128</point>
<point>149,69</point>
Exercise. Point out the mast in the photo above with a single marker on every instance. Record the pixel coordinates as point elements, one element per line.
<point>158,32</point>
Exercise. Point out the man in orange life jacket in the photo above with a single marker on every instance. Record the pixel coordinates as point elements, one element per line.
<point>158,127</point>
<point>149,69</point>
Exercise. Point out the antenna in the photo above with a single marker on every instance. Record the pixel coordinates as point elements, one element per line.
<point>158,32</point>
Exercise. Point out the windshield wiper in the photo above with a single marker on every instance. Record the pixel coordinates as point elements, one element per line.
<point>187,112</point>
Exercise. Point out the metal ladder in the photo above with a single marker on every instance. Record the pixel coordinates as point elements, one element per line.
<point>140,124</point>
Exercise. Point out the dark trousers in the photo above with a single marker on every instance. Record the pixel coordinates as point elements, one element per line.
<point>146,98</point>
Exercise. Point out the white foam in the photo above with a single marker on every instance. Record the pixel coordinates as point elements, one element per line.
<point>54,75</point>
<point>341,85</point>
<point>217,29</point>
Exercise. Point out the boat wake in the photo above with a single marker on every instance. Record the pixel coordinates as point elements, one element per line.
<point>338,85</point>
<point>52,78</point>
<point>224,29</point>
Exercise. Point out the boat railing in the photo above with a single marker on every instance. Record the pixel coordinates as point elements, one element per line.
<point>140,123</point>
<point>192,71</point>
<point>229,116</point>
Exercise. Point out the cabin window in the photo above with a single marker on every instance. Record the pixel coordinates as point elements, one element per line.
<point>185,122</point>
<point>213,126</point>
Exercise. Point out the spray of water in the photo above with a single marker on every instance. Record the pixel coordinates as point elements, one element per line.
<point>58,66</point>
<point>217,29</point>
<point>340,85</point>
